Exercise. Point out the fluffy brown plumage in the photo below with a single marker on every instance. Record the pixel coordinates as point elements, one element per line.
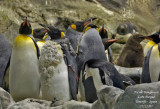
<point>132,54</point>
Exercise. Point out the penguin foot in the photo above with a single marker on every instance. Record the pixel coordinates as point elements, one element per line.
<point>56,102</point>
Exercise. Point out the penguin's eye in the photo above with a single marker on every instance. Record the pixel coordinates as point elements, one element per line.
<point>73,26</point>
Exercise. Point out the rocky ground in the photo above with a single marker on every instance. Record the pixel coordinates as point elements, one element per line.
<point>144,14</point>
<point>144,96</point>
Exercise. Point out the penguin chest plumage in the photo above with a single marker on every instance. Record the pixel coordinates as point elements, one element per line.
<point>154,63</point>
<point>24,70</point>
<point>54,73</point>
<point>40,44</point>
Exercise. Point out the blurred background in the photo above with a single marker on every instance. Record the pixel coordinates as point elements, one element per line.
<point>144,14</point>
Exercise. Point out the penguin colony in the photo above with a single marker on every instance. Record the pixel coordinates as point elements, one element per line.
<point>62,66</point>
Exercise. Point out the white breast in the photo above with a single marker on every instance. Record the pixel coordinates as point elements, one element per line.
<point>154,64</point>
<point>24,73</point>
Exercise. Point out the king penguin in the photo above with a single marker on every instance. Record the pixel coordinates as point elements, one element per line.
<point>151,69</point>
<point>40,36</point>
<point>54,73</point>
<point>53,32</point>
<point>104,35</point>
<point>132,54</point>
<point>75,32</point>
<point>5,53</point>
<point>125,30</point>
<point>90,47</point>
<point>95,73</point>
<point>24,78</point>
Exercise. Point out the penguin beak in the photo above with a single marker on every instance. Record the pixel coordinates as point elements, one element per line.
<point>26,22</point>
<point>45,27</point>
<point>147,37</point>
<point>88,21</point>
<point>112,40</point>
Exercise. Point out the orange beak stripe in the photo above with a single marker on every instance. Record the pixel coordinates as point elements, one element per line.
<point>112,40</point>
<point>86,23</point>
<point>148,38</point>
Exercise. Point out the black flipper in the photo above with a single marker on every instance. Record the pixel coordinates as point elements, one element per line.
<point>90,90</point>
<point>72,67</point>
<point>37,48</point>
<point>145,78</point>
<point>110,54</point>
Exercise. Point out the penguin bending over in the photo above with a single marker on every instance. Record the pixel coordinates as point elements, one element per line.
<point>132,54</point>
<point>24,78</point>
<point>54,73</point>
<point>90,47</point>
<point>75,32</point>
<point>151,69</point>
<point>95,73</point>
<point>104,36</point>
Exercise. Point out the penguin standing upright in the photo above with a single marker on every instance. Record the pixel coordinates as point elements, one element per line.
<point>132,54</point>
<point>58,68</point>
<point>151,69</point>
<point>5,53</point>
<point>54,73</point>
<point>104,35</point>
<point>75,32</point>
<point>24,78</point>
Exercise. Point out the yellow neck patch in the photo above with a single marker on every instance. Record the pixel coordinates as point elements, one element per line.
<point>151,43</point>
<point>62,34</point>
<point>73,26</point>
<point>45,37</point>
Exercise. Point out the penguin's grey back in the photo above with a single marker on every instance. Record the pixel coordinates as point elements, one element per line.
<point>5,53</point>
<point>74,37</point>
<point>91,45</point>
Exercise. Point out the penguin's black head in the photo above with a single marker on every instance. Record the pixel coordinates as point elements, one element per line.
<point>103,33</point>
<point>89,26</point>
<point>39,33</point>
<point>79,26</point>
<point>155,37</point>
<point>53,32</point>
<point>25,28</point>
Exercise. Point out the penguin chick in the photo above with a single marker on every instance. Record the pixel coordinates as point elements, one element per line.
<point>132,54</point>
<point>95,73</point>
<point>24,70</point>
<point>150,71</point>
<point>54,73</point>
<point>75,32</point>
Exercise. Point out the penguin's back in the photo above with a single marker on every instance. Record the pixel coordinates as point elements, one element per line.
<point>92,45</point>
